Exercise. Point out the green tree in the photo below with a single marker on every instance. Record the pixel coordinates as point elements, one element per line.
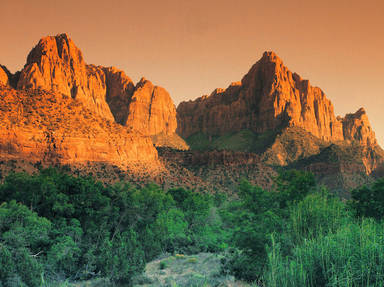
<point>368,200</point>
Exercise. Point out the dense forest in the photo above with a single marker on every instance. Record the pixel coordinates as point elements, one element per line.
<point>55,227</point>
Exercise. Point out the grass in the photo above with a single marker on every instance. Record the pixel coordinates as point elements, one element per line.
<point>328,247</point>
<point>197,270</point>
<point>352,256</point>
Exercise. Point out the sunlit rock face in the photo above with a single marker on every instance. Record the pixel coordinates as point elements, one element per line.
<point>356,127</point>
<point>151,110</point>
<point>50,127</point>
<point>56,64</point>
<point>63,110</point>
<point>270,97</point>
<point>3,77</point>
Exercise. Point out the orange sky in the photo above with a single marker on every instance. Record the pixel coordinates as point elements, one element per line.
<point>191,47</point>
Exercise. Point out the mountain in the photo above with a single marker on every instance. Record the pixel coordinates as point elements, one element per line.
<point>60,110</point>
<point>270,97</point>
<point>56,64</point>
<point>280,116</point>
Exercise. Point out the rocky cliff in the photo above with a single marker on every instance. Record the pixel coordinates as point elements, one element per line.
<point>356,127</point>
<point>270,97</point>
<point>52,128</point>
<point>280,116</point>
<point>56,64</point>
<point>151,110</point>
<point>60,110</point>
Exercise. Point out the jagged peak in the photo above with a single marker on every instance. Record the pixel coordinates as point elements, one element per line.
<point>117,72</point>
<point>60,45</point>
<point>358,114</point>
<point>63,36</point>
<point>270,56</point>
<point>143,82</point>
<point>360,111</point>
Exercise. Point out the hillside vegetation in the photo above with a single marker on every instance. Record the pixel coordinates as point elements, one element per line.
<point>57,229</point>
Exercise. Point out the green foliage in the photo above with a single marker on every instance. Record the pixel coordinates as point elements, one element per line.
<point>252,218</point>
<point>368,201</point>
<point>124,257</point>
<point>23,236</point>
<point>351,256</point>
<point>54,226</point>
<point>199,141</point>
<point>327,245</point>
<point>74,227</point>
<point>317,214</point>
<point>163,265</point>
<point>293,185</point>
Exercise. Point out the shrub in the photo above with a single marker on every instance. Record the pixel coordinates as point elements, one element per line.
<point>368,201</point>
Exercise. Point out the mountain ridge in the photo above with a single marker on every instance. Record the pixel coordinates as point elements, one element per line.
<point>272,118</point>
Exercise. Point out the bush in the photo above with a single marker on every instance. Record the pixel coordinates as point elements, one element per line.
<point>368,201</point>
<point>24,236</point>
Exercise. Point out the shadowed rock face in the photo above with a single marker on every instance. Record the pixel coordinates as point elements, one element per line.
<point>270,97</point>
<point>120,89</point>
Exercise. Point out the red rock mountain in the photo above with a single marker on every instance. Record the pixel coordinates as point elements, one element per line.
<point>59,109</point>
<point>291,119</point>
<point>56,64</point>
<point>270,97</point>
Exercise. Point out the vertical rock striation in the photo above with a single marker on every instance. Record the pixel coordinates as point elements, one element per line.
<point>56,64</point>
<point>270,97</point>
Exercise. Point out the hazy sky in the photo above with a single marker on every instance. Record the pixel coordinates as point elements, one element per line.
<point>192,47</point>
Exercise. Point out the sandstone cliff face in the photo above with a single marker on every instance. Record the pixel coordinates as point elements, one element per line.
<point>54,128</point>
<point>65,111</point>
<point>356,127</point>
<point>269,97</point>
<point>3,76</point>
<point>56,64</point>
<point>151,110</point>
